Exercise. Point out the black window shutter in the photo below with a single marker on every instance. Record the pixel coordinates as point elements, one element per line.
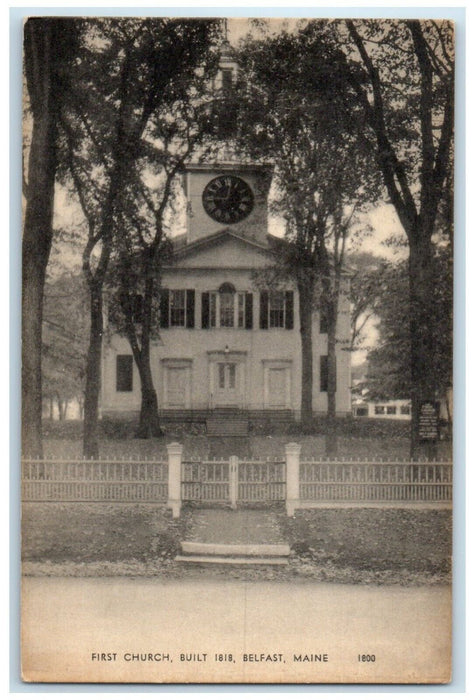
<point>289,310</point>
<point>205,310</point>
<point>164,308</point>
<point>264,320</point>
<point>124,373</point>
<point>190,308</point>
<point>323,372</point>
<point>248,312</point>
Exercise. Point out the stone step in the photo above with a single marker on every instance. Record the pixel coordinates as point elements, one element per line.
<point>246,550</point>
<point>171,415</point>
<point>219,427</point>
<point>230,561</point>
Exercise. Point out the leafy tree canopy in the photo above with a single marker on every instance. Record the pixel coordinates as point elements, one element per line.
<point>389,374</point>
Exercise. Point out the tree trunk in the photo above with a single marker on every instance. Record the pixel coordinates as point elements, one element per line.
<point>37,238</point>
<point>63,408</point>
<point>305,310</point>
<point>149,423</point>
<point>93,375</point>
<point>80,401</point>
<point>331,441</point>
<point>423,376</point>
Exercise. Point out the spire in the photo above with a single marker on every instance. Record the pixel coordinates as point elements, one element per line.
<point>226,50</point>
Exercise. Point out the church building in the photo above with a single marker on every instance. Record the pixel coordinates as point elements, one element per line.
<point>225,342</point>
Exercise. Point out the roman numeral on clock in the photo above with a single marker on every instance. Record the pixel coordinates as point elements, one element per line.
<point>228,199</point>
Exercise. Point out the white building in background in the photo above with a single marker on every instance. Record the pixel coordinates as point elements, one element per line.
<point>399,409</point>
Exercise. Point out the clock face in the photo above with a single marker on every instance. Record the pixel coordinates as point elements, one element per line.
<point>228,199</point>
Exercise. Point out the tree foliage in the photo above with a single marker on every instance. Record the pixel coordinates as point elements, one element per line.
<point>367,277</point>
<point>175,131</point>
<point>131,70</point>
<point>65,323</point>
<point>389,366</point>
<point>301,112</point>
<point>408,100</point>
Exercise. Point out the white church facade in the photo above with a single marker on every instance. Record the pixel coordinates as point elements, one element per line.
<point>226,343</point>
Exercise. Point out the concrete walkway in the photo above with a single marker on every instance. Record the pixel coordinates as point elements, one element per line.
<point>235,527</point>
<point>145,630</point>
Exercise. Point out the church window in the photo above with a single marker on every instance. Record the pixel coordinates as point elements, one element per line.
<point>227,375</point>
<point>226,308</point>
<point>124,373</point>
<point>277,310</point>
<point>177,308</point>
<point>221,371</point>
<point>232,376</point>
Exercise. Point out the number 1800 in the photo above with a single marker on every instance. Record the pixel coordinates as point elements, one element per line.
<point>367,657</point>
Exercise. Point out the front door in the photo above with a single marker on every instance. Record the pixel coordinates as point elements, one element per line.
<point>227,382</point>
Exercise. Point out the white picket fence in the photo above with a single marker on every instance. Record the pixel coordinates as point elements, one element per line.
<point>233,480</point>
<point>364,480</point>
<point>121,480</point>
<point>297,482</point>
<point>205,481</point>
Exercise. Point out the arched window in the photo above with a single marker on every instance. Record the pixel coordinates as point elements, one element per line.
<point>226,305</point>
<point>226,308</point>
<point>227,288</point>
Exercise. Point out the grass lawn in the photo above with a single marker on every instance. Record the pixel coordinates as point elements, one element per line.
<point>357,439</point>
<point>352,545</point>
<point>373,538</point>
<point>260,446</point>
<point>88,532</point>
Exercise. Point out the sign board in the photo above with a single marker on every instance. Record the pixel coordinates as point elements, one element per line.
<point>428,421</point>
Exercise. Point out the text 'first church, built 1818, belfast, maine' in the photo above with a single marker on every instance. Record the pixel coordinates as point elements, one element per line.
<point>225,341</point>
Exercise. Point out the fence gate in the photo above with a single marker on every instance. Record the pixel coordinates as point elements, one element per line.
<point>233,481</point>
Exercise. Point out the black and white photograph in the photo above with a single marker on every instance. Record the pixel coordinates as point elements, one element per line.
<point>237,350</point>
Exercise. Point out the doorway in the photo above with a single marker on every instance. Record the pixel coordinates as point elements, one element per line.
<point>227,383</point>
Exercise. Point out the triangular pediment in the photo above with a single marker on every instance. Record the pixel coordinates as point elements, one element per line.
<point>225,249</point>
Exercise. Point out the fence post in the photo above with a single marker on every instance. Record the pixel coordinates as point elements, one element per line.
<point>233,480</point>
<point>292,461</point>
<point>175,451</point>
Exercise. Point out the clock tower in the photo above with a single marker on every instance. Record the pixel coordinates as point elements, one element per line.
<point>227,193</point>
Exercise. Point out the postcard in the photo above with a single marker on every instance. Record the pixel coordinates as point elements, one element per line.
<point>237,391</point>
